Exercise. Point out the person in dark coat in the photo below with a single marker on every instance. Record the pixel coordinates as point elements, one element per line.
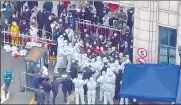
<point>115,40</point>
<point>40,96</point>
<point>60,8</point>
<point>104,67</point>
<point>82,14</point>
<point>130,13</point>
<point>55,86</point>
<point>86,75</point>
<point>48,5</point>
<point>74,69</point>
<point>26,14</point>
<point>47,88</point>
<point>23,27</point>
<point>48,27</point>
<point>66,87</point>
<point>40,20</point>
<point>117,84</point>
<point>32,4</point>
<point>99,6</point>
<point>13,18</point>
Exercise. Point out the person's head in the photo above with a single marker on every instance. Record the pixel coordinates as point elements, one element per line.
<point>14,24</point>
<point>6,2</point>
<point>14,15</point>
<point>24,21</point>
<point>91,79</point>
<point>85,30</point>
<point>34,19</point>
<point>115,34</point>
<point>79,76</point>
<point>66,43</point>
<point>121,9</point>
<point>104,11</point>
<point>50,17</point>
<point>47,79</point>
<point>61,2</point>
<point>55,77</point>
<point>83,10</point>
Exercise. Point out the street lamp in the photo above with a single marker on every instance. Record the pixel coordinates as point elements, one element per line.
<point>179,51</point>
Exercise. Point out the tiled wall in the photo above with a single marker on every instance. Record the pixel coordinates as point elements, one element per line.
<point>148,16</point>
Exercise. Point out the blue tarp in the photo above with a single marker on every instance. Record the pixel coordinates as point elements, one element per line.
<point>158,82</point>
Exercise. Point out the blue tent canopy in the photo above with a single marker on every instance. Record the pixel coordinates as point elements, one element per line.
<point>158,82</point>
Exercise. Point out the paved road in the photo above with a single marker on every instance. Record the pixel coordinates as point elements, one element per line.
<point>16,65</point>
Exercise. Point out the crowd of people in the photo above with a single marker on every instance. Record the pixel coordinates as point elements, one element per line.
<point>92,56</point>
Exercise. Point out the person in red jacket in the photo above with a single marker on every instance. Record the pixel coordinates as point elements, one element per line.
<point>97,51</point>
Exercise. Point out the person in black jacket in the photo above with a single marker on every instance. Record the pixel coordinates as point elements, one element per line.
<point>23,27</point>
<point>47,88</point>
<point>117,84</point>
<point>32,4</point>
<point>48,5</point>
<point>60,8</point>
<point>66,87</point>
<point>40,96</point>
<point>104,67</point>
<point>55,86</point>
<point>74,69</point>
<point>86,75</point>
<point>115,40</point>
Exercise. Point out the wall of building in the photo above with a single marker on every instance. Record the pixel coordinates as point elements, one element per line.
<point>148,16</point>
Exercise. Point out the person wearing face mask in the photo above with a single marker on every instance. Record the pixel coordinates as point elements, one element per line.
<point>33,32</point>
<point>13,18</point>
<point>60,8</point>
<point>48,5</point>
<point>14,29</point>
<point>122,15</point>
<point>115,40</point>
<point>105,20</point>
<point>23,27</point>
<point>91,93</point>
<point>79,91</point>
<point>101,82</point>
<point>71,21</point>
<point>7,9</point>
<point>97,51</point>
<point>109,87</point>
<point>48,27</point>
<point>82,14</point>
<point>63,17</point>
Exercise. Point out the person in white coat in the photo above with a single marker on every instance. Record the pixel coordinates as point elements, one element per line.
<point>69,52</point>
<point>79,90</point>
<point>70,33</point>
<point>91,93</point>
<point>98,65</point>
<point>125,61</point>
<point>109,87</point>
<point>101,82</point>
<point>33,32</point>
<point>61,63</point>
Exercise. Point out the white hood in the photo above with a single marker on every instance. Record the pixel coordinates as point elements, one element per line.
<point>33,31</point>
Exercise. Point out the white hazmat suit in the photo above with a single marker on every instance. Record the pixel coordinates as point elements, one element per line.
<point>91,93</point>
<point>101,81</point>
<point>79,90</point>
<point>109,87</point>
<point>61,59</point>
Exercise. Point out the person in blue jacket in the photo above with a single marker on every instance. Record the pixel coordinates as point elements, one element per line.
<point>8,78</point>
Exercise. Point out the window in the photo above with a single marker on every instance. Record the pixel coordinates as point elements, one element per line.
<point>167,45</point>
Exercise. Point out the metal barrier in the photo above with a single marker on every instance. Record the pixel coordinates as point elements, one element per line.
<point>97,29</point>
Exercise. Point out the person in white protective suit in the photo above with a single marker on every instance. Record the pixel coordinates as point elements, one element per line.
<point>70,33</point>
<point>98,65</point>
<point>79,91</point>
<point>125,61</point>
<point>61,63</point>
<point>91,93</point>
<point>124,100</point>
<point>101,82</point>
<point>69,52</point>
<point>44,71</point>
<point>109,87</point>
<point>83,62</point>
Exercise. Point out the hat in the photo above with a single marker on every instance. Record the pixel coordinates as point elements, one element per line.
<point>14,23</point>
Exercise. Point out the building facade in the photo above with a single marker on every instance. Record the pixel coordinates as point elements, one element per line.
<point>157,29</point>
